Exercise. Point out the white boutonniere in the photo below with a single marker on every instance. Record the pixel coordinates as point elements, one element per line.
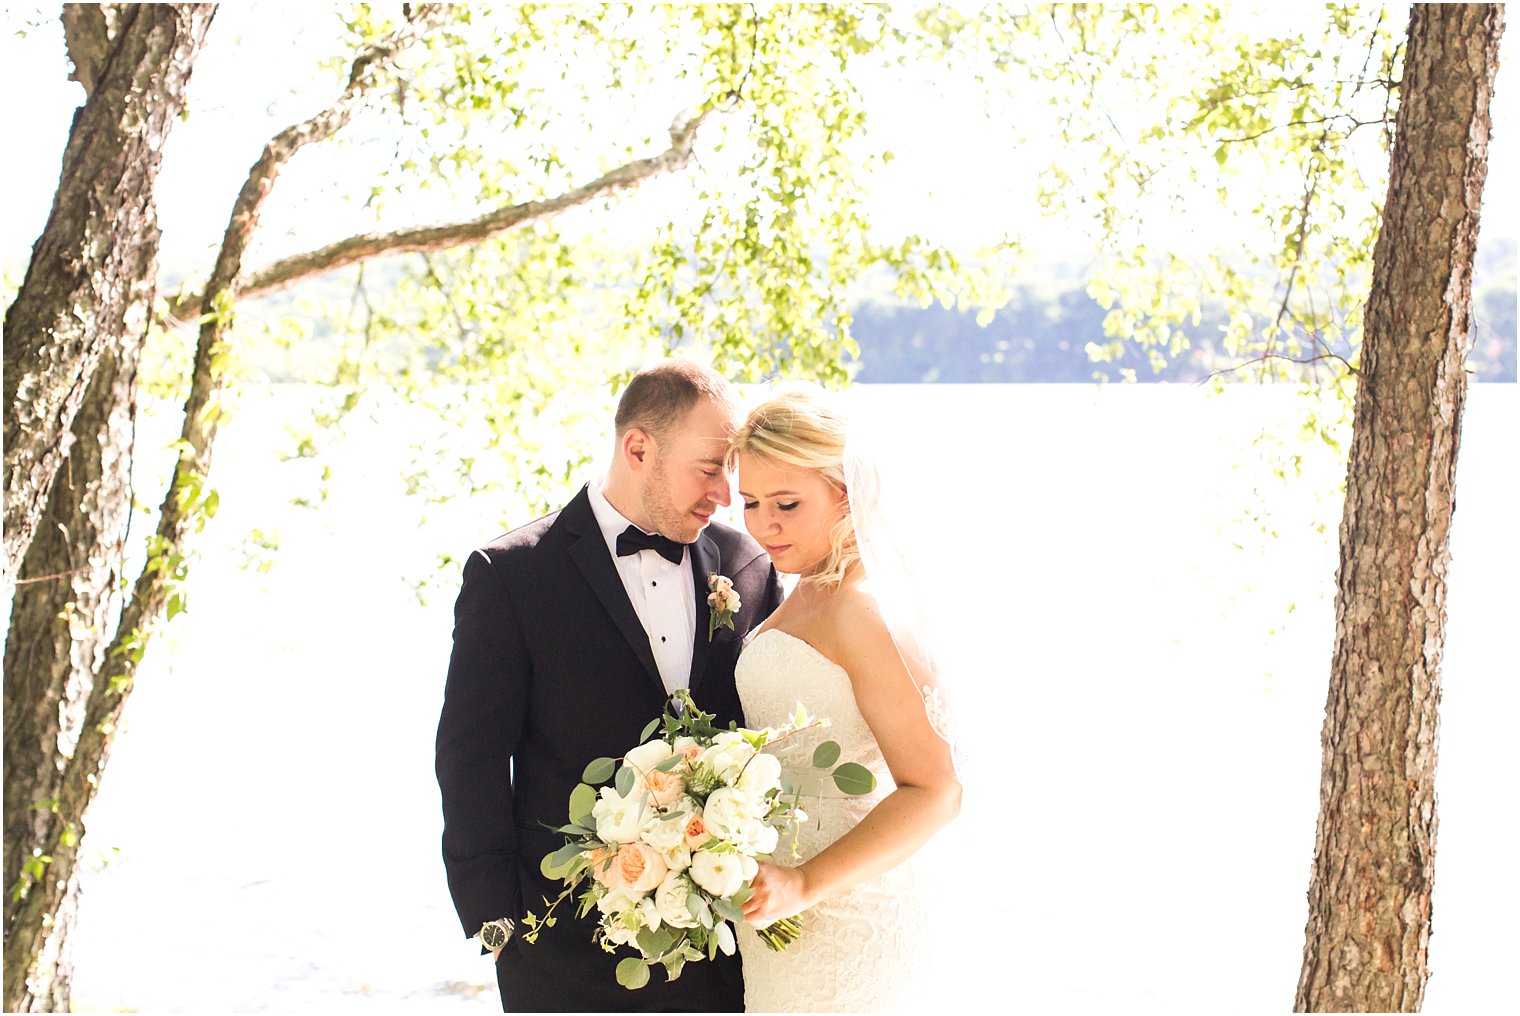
<point>722,602</point>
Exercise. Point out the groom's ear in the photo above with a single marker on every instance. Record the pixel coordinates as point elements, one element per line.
<point>636,446</point>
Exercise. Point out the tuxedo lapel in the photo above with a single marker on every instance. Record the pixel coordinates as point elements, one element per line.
<point>589,552</point>
<point>705,561</point>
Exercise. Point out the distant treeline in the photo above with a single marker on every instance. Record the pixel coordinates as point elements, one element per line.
<point>1040,338</point>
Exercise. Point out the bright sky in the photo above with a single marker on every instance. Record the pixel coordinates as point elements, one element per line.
<point>956,178</point>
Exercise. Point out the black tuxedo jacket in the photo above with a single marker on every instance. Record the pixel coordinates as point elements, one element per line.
<point>551,669</point>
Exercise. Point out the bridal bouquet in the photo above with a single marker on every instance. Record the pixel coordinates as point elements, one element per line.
<point>665,854</point>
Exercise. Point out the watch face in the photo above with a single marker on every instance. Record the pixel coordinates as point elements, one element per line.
<point>493,936</point>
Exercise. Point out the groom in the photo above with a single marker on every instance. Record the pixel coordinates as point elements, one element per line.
<point>570,635</point>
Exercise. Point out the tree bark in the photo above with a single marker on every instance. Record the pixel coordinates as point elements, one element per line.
<point>100,241</point>
<point>62,619</point>
<point>1374,865</point>
<point>61,710</point>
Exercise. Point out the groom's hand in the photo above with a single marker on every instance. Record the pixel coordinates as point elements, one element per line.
<point>779,893</point>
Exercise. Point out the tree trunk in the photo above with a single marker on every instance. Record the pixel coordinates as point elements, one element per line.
<point>100,242</point>
<point>72,342</point>
<point>62,619</point>
<point>1369,895</point>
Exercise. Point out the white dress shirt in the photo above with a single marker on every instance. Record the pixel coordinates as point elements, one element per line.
<point>662,595</point>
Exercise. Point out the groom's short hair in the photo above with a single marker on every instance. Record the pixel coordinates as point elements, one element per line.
<point>659,396</point>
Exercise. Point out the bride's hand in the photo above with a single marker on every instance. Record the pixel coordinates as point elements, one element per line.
<point>779,892</point>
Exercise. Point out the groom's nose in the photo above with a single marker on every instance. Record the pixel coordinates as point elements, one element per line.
<point>719,491</point>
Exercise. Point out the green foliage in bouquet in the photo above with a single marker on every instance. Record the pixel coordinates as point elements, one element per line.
<point>690,867</point>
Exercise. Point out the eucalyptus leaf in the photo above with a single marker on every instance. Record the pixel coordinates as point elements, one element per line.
<point>826,754</point>
<point>670,763</point>
<point>727,910</point>
<point>624,781</point>
<point>557,864</point>
<point>654,725</point>
<point>632,973</point>
<point>854,778</point>
<point>582,800</point>
<point>598,770</point>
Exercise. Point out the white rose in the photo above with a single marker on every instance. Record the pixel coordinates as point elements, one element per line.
<point>619,819</point>
<point>761,838</point>
<point>718,874</point>
<point>668,831</point>
<point>646,756</point>
<point>726,814</point>
<point>727,755</point>
<point>616,901</point>
<point>761,774</point>
<point>670,900</point>
<point>678,858</point>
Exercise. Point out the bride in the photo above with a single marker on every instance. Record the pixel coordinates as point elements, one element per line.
<point>848,648</point>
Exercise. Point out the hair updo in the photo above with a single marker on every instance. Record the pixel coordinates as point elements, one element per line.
<point>802,427</point>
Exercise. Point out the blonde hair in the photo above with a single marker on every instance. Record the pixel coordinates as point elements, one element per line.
<point>801,426</point>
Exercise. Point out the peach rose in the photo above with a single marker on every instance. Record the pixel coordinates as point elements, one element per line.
<point>664,788</point>
<point>689,749</point>
<point>639,868</point>
<point>609,875</point>
<point>696,832</point>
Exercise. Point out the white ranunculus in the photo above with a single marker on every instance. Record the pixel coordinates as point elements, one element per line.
<point>646,756</point>
<point>650,913</point>
<point>670,900</point>
<point>749,865</point>
<point>761,774</point>
<point>619,819</point>
<point>718,874</point>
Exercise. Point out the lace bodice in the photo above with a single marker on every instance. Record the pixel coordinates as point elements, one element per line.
<point>860,951</point>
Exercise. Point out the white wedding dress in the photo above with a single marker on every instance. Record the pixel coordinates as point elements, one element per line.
<point>865,950</point>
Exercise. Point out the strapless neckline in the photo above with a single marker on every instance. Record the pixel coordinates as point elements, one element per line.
<point>801,642</point>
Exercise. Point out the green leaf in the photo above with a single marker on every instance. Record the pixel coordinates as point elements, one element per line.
<point>654,725</point>
<point>598,770</point>
<point>826,754</point>
<point>633,973</point>
<point>582,800</point>
<point>624,781</point>
<point>854,778</point>
<point>670,763</point>
<point>557,864</point>
<point>727,910</point>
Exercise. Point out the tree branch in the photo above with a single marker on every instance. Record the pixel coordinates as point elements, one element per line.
<point>287,271</point>
<point>1264,357</point>
<point>87,31</point>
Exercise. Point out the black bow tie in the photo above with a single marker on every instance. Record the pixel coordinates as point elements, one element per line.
<point>633,539</point>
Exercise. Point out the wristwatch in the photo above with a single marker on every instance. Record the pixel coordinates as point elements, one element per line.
<point>494,934</point>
